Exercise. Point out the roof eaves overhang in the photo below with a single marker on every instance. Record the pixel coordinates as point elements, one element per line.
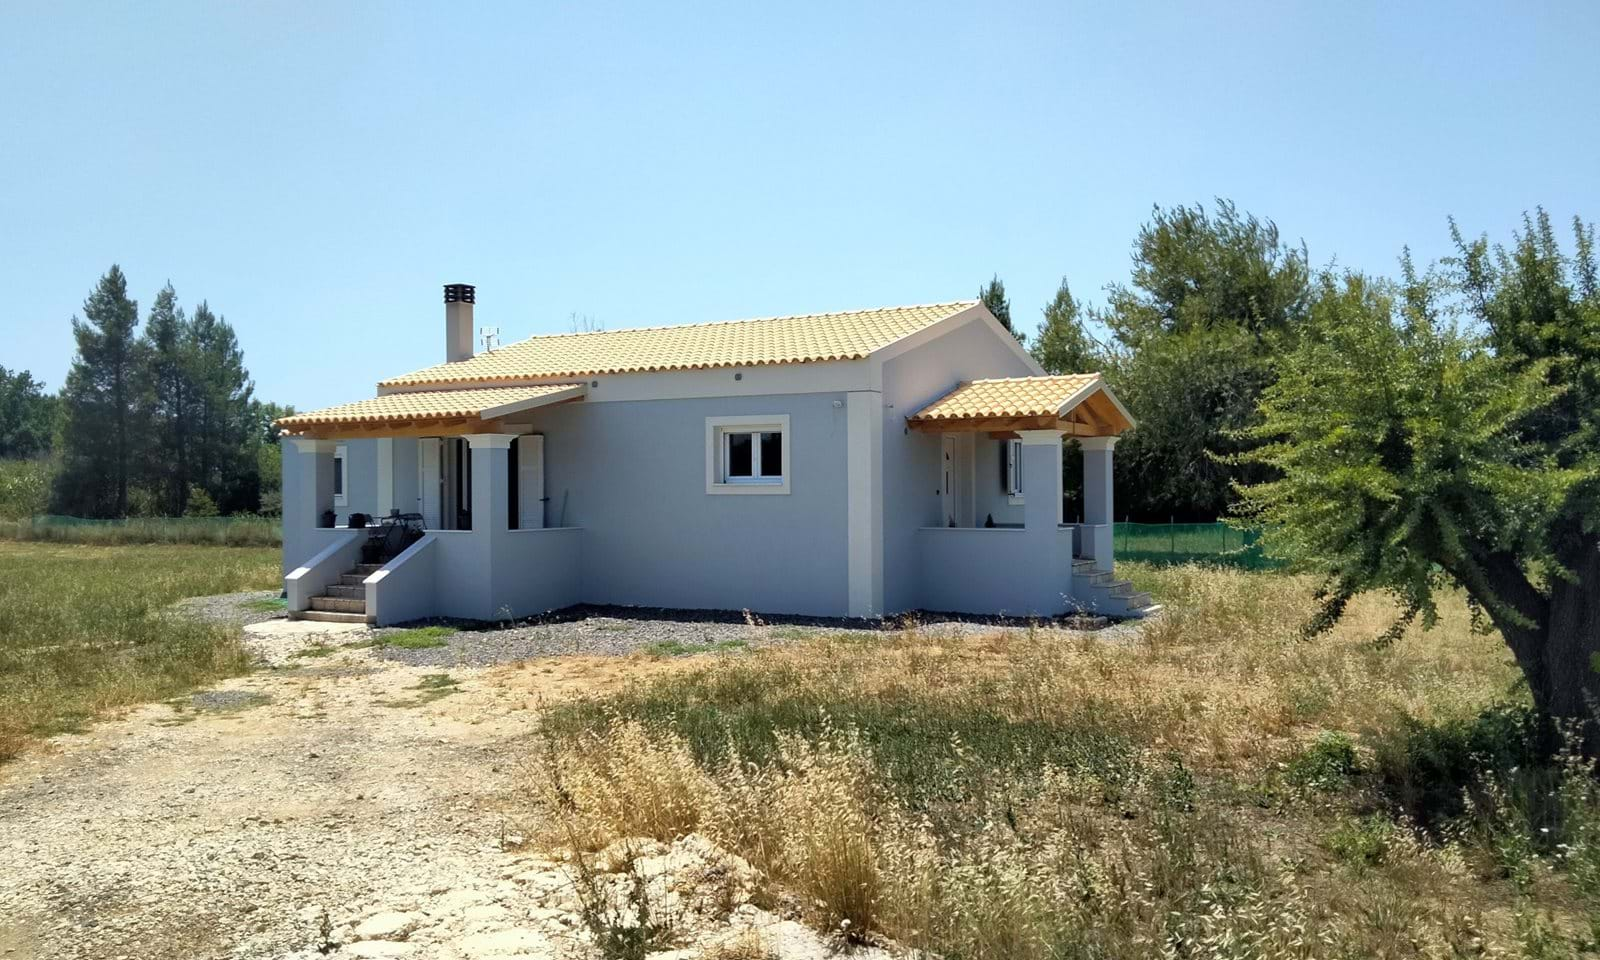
<point>575,391</point>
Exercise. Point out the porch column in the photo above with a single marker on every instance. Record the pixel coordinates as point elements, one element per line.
<point>307,491</point>
<point>491,481</point>
<point>1099,509</point>
<point>1047,555</point>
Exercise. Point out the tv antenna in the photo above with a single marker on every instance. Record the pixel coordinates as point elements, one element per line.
<point>490,337</point>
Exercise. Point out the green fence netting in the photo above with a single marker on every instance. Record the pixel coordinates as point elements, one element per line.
<point>1191,543</point>
<point>240,531</point>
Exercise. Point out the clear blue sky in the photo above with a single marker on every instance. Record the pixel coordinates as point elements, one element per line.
<point>317,170</point>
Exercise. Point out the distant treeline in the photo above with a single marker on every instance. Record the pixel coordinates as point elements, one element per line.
<point>158,423</point>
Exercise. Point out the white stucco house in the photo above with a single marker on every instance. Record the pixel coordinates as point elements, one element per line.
<point>848,465</point>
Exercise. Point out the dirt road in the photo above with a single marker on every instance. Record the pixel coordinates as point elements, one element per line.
<point>340,786</point>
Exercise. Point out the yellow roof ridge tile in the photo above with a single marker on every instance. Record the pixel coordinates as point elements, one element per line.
<point>826,314</point>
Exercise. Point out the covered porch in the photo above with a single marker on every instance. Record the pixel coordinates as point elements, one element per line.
<point>451,482</point>
<point>1037,559</point>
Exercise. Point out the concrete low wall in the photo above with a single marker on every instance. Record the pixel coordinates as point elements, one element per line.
<point>1011,572</point>
<point>341,552</point>
<point>1097,544</point>
<point>506,574</point>
<point>537,571</point>
<point>405,589</point>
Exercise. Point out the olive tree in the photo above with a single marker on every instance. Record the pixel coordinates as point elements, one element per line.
<point>1444,431</point>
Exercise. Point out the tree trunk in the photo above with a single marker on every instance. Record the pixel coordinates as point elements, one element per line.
<point>1571,687</point>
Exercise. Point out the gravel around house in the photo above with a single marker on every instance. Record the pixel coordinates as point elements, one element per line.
<point>235,608</point>
<point>593,630</point>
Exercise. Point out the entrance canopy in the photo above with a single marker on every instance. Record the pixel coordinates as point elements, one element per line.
<point>1080,404</point>
<point>428,413</point>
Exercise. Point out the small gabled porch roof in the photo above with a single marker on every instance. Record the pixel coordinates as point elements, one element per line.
<point>428,413</point>
<point>1079,403</point>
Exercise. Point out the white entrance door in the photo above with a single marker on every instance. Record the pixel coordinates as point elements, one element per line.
<point>430,481</point>
<point>947,482</point>
<point>530,481</point>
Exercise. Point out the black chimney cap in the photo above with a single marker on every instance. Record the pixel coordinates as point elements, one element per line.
<point>460,293</point>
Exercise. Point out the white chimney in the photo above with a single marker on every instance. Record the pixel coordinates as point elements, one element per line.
<point>458,301</point>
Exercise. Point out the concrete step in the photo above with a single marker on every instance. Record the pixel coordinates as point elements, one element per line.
<point>1119,588</point>
<point>338,605</point>
<point>367,569</point>
<point>1149,610</point>
<point>348,591</point>
<point>351,580</point>
<point>327,616</point>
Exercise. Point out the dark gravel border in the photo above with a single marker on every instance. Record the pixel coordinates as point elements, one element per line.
<point>597,630</point>
<point>230,608</point>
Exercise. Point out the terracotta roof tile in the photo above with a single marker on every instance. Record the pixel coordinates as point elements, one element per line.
<point>1008,397</point>
<point>736,343</point>
<point>424,405</point>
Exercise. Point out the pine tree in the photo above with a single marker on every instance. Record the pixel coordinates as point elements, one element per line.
<point>1062,344</point>
<point>993,295</point>
<point>223,434</point>
<point>100,432</point>
<point>164,393</point>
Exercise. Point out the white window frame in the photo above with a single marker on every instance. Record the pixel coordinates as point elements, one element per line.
<point>341,474</point>
<point>717,431</point>
<point>1014,471</point>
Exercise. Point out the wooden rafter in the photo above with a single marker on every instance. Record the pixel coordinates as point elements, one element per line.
<point>452,427</point>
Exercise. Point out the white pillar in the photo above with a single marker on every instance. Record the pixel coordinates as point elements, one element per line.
<point>491,481</point>
<point>1045,564</point>
<point>1099,506</point>
<point>306,492</point>
<point>1041,478</point>
<point>864,502</point>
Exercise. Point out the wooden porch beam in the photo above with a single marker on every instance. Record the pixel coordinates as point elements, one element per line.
<point>453,427</point>
<point>991,424</point>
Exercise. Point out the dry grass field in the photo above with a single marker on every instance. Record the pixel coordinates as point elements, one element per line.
<point>1219,788</point>
<point>83,629</point>
<point>1216,787</point>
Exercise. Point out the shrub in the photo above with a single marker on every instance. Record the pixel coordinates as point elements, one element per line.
<point>1326,764</point>
<point>24,488</point>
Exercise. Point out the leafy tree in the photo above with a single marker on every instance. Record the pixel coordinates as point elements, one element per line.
<point>1213,295</point>
<point>1062,345</point>
<point>1417,454</point>
<point>27,416</point>
<point>201,504</point>
<point>99,432</point>
<point>993,296</point>
<point>269,455</point>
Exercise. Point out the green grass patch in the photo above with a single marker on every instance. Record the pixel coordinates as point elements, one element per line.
<point>86,629</point>
<point>267,605</point>
<point>420,638</point>
<point>432,686</point>
<point>678,648</point>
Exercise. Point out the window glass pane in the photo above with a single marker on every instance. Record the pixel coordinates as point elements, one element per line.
<point>740,455</point>
<point>338,476</point>
<point>772,454</point>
